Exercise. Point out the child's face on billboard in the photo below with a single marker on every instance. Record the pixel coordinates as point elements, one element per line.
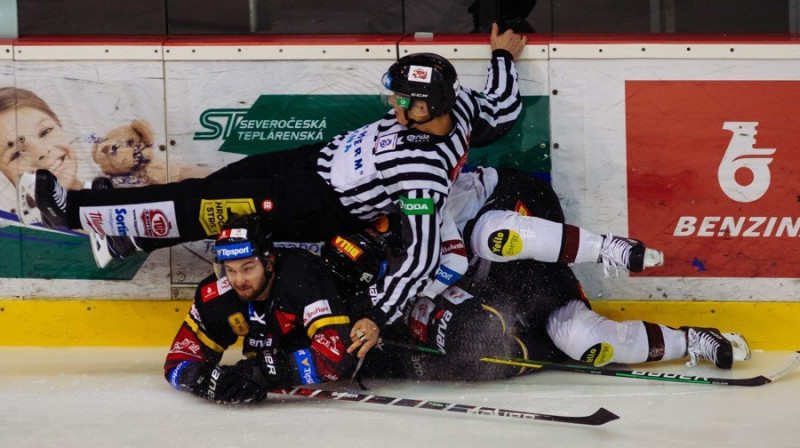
<point>29,140</point>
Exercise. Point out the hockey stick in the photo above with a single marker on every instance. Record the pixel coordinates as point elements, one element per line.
<point>759,380</point>
<point>412,347</point>
<point>600,417</point>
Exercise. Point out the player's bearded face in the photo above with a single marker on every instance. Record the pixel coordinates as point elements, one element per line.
<point>248,278</point>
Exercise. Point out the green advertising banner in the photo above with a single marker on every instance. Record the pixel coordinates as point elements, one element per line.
<point>279,122</point>
<point>527,145</point>
<point>37,253</point>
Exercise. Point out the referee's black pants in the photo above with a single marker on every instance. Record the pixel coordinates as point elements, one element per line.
<point>285,189</point>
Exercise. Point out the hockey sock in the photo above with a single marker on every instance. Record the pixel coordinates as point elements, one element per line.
<point>579,245</point>
<point>576,330</point>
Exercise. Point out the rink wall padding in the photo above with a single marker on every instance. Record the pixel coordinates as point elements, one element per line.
<point>135,323</point>
<point>688,143</point>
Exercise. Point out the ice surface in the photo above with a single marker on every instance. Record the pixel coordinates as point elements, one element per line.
<point>117,397</point>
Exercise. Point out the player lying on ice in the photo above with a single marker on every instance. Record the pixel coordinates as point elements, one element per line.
<point>519,306</point>
<point>292,316</point>
<point>285,305</point>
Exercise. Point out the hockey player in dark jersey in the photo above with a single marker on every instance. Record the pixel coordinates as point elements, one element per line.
<point>524,307</point>
<point>403,164</point>
<point>521,249</point>
<point>282,302</point>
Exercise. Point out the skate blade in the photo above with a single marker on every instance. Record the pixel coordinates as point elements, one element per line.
<point>653,258</point>
<point>741,350</point>
<point>99,243</point>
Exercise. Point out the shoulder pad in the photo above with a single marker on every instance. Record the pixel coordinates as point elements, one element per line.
<point>215,289</point>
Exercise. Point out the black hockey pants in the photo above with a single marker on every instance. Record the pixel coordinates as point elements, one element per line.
<point>283,187</point>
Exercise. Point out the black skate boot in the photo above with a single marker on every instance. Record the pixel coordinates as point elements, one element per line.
<point>41,199</point>
<point>712,345</point>
<point>107,248</point>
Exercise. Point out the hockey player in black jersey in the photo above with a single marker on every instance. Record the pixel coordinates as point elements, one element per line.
<point>403,164</point>
<point>530,306</point>
<point>282,302</point>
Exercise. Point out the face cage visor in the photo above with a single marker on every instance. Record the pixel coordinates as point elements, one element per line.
<point>219,270</point>
<point>219,266</point>
<point>235,251</point>
<point>399,99</point>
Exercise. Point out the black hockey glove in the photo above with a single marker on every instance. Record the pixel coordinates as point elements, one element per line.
<point>268,369</point>
<point>230,384</point>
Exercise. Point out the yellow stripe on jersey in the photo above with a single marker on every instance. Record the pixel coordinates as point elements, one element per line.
<point>524,353</point>
<point>202,336</point>
<point>496,313</point>
<point>324,322</point>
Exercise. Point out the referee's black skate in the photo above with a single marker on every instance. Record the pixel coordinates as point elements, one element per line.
<point>106,248</point>
<point>712,345</point>
<point>41,199</point>
<point>629,253</point>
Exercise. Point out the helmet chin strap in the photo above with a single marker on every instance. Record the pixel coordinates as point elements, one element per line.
<point>411,121</point>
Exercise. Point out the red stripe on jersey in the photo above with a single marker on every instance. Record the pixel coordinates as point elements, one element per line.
<point>286,321</point>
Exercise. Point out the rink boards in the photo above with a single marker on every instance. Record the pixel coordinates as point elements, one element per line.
<point>687,144</point>
<point>135,323</point>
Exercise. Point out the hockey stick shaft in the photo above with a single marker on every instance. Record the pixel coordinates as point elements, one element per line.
<point>412,347</point>
<point>599,417</point>
<point>759,380</point>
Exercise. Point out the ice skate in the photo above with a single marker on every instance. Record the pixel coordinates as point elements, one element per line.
<point>629,253</point>
<point>107,248</point>
<point>26,202</point>
<point>720,348</point>
<point>41,199</point>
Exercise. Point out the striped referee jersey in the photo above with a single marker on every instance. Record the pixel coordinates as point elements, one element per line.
<point>386,168</point>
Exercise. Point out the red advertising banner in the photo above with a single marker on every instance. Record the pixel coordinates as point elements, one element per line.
<point>714,176</point>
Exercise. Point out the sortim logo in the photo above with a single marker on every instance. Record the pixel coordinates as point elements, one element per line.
<point>714,176</point>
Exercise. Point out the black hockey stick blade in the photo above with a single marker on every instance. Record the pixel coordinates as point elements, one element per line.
<point>759,380</point>
<point>600,417</point>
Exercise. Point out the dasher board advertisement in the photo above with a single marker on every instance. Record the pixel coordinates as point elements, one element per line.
<point>695,157</point>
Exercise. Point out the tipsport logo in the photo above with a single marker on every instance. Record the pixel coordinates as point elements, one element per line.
<point>234,251</point>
